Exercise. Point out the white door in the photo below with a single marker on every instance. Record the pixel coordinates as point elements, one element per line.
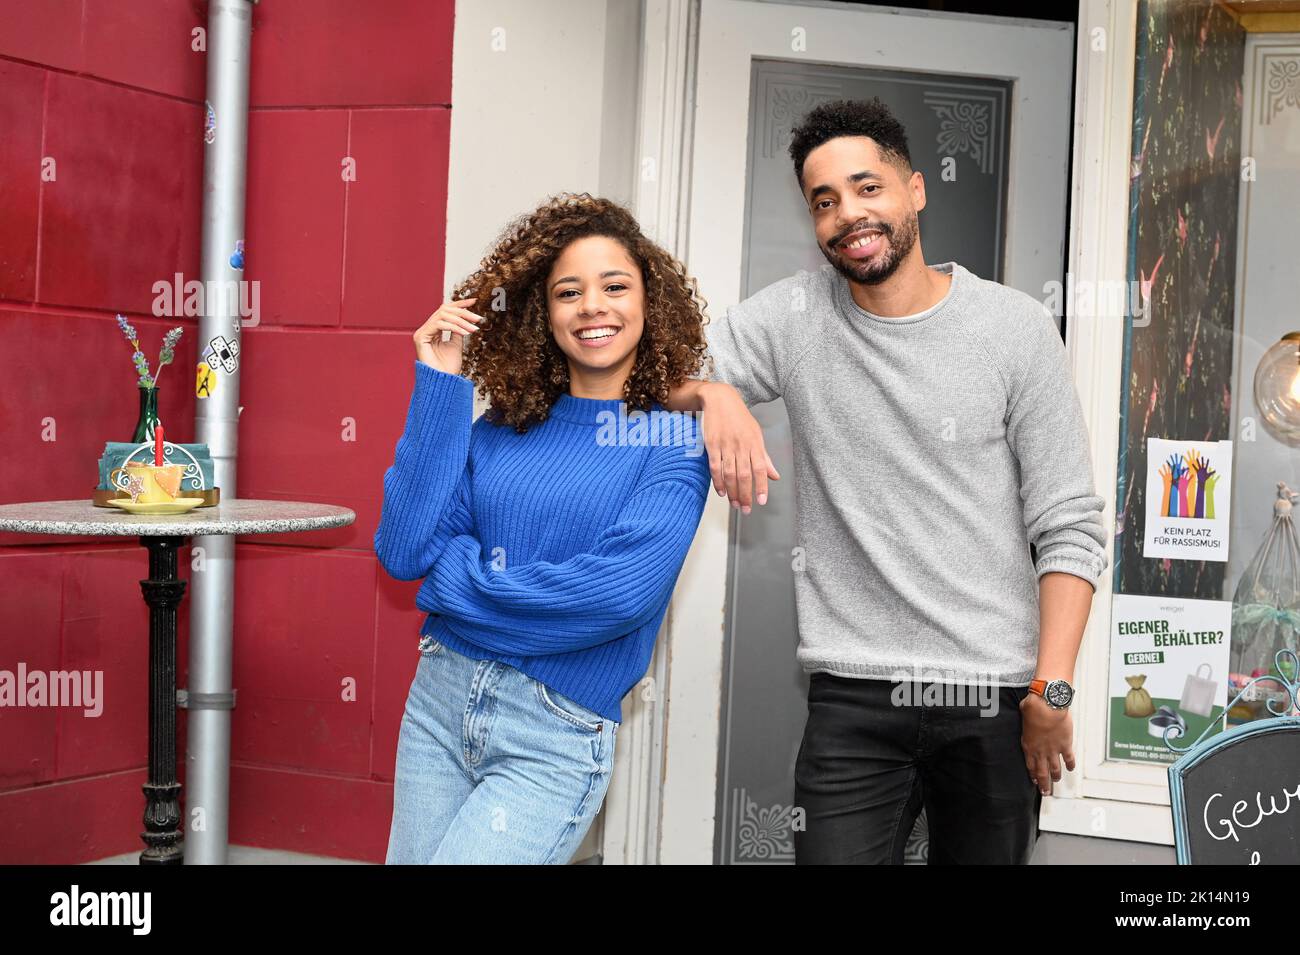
<point>991,95</point>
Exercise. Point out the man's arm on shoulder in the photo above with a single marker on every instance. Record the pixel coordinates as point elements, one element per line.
<point>747,350</point>
<point>749,344</point>
<point>738,458</point>
<point>749,347</point>
<point>687,396</point>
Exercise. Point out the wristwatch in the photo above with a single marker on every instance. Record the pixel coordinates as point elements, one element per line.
<point>1057,693</point>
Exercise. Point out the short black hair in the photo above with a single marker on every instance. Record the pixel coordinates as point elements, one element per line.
<point>846,117</point>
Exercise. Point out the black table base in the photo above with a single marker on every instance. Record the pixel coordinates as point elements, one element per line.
<point>163,837</point>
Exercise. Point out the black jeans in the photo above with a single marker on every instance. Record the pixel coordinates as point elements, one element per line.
<point>866,767</point>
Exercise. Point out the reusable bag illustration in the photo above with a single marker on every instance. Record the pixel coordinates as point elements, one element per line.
<point>1199,692</point>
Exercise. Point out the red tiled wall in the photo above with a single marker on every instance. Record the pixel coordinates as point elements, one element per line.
<point>113,92</point>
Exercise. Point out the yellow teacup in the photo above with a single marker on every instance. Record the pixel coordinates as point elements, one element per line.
<point>159,484</point>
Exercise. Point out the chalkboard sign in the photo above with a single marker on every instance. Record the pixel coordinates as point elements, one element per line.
<point>1236,796</point>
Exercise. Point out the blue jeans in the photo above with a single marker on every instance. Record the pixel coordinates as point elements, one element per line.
<point>493,766</point>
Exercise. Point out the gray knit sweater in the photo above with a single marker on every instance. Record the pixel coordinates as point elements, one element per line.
<point>929,451</point>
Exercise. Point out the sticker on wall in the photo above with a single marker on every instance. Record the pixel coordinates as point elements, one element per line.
<point>205,382</point>
<point>1188,495</point>
<point>237,257</point>
<point>1168,668</point>
<point>209,123</point>
<point>224,355</point>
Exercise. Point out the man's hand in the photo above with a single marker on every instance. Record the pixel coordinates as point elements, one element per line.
<point>738,458</point>
<point>1046,736</point>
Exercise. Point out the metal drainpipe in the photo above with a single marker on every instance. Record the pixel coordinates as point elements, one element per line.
<point>210,697</point>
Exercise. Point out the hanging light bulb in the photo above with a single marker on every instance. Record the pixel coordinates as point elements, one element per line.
<point>1277,386</point>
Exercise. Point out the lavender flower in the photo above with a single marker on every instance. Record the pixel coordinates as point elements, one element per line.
<point>168,349</point>
<point>142,368</point>
<point>169,344</point>
<point>165,357</point>
<point>127,329</point>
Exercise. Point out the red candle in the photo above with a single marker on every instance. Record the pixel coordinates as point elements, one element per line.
<point>158,445</point>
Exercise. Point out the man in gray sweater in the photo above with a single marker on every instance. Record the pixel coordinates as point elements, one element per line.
<point>937,435</point>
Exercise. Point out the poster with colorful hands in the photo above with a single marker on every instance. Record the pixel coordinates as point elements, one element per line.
<point>1188,494</point>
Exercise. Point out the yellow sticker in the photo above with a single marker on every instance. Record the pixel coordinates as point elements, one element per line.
<point>206,382</point>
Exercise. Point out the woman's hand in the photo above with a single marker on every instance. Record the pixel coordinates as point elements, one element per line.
<point>446,355</point>
<point>738,458</point>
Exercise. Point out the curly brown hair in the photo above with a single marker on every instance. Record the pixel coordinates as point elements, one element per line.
<point>514,359</point>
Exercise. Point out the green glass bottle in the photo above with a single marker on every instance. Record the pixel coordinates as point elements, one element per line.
<point>148,415</point>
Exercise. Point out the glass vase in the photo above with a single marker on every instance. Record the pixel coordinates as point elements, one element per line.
<point>148,415</point>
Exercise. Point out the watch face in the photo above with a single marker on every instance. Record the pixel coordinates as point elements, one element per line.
<point>1058,693</point>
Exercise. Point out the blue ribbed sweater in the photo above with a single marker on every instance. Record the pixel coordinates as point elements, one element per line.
<point>554,551</point>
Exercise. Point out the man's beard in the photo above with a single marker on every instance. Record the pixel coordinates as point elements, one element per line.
<point>881,266</point>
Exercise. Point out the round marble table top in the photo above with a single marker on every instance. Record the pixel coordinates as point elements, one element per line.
<point>233,516</point>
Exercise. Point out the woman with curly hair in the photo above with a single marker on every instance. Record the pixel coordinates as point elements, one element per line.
<point>549,532</point>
